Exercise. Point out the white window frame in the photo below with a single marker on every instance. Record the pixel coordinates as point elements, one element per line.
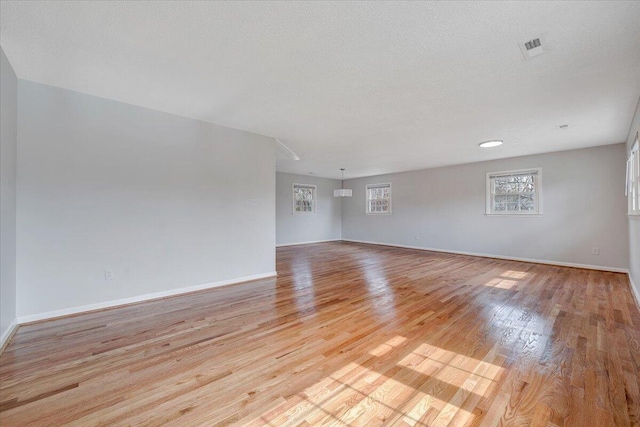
<point>314,199</point>
<point>632,189</point>
<point>537,193</point>
<point>366,198</point>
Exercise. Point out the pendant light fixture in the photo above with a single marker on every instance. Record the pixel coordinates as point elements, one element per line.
<point>342,192</point>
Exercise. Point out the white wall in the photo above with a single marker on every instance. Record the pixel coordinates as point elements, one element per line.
<point>583,198</point>
<point>8,147</point>
<point>326,224</point>
<point>634,222</point>
<point>163,201</point>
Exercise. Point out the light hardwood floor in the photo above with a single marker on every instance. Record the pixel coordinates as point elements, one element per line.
<point>348,334</point>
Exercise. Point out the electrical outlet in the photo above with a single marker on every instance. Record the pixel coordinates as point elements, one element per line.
<point>417,237</point>
<point>108,275</point>
<point>595,251</point>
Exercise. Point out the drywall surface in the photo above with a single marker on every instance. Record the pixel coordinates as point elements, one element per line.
<point>444,208</point>
<point>372,86</point>
<point>118,201</point>
<point>325,224</point>
<point>8,147</point>
<point>634,222</point>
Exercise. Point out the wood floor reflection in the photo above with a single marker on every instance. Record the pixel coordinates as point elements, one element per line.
<point>348,334</point>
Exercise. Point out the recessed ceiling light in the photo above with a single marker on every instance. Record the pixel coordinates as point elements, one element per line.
<point>489,144</point>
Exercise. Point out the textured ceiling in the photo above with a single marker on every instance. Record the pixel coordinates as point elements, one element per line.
<point>373,87</point>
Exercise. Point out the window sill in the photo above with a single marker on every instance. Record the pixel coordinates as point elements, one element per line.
<point>635,217</point>
<point>515,215</point>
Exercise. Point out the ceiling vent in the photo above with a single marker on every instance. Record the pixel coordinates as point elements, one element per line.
<point>532,44</point>
<point>532,48</point>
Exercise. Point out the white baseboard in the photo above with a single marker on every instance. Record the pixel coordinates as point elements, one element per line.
<point>6,336</point>
<point>140,298</point>
<point>510,258</point>
<point>308,243</point>
<point>634,290</point>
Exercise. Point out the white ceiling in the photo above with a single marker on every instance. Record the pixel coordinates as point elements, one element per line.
<point>373,87</point>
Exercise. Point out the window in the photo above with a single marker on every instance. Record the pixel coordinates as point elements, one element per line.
<point>379,199</point>
<point>304,199</point>
<point>514,192</point>
<point>633,179</point>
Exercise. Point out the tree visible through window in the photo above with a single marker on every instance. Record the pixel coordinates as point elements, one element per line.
<point>514,192</point>
<point>379,198</point>
<point>304,199</point>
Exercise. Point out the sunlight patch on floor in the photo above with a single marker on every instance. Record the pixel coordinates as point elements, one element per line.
<point>428,379</point>
<point>452,368</point>
<point>471,378</point>
<point>514,274</point>
<point>501,283</point>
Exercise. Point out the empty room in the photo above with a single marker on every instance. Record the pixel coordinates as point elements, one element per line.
<point>298,213</point>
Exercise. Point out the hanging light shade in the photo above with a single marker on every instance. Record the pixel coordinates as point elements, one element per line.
<point>342,192</point>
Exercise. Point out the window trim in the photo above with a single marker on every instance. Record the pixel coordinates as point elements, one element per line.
<point>632,184</point>
<point>314,200</point>
<point>366,198</point>
<point>538,193</point>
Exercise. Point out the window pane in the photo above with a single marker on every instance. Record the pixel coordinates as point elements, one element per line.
<point>526,202</point>
<point>499,185</point>
<point>513,184</point>
<point>512,187</point>
<point>499,198</point>
<point>513,203</point>
<point>499,205</point>
<point>636,182</point>
<point>525,187</point>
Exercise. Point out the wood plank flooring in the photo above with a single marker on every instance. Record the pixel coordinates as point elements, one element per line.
<point>348,334</point>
